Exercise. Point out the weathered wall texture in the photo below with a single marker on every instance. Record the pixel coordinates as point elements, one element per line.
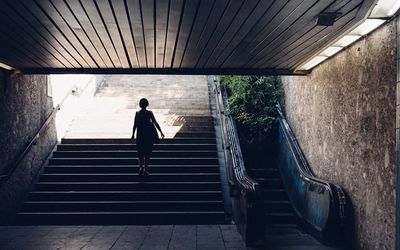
<point>24,107</point>
<point>343,115</point>
<point>398,136</point>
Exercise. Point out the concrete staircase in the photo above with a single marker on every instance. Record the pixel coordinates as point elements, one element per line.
<point>95,180</point>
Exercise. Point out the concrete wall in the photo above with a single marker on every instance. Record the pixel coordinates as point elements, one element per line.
<point>344,116</point>
<point>24,107</point>
<point>26,101</point>
<point>398,136</point>
<point>74,103</point>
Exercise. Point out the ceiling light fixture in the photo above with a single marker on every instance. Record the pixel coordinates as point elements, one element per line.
<point>385,8</point>
<point>347,40</point>
<point>367,26</point>
<point>5,66</point>
<point>313,62</point>
<point>330,51</point>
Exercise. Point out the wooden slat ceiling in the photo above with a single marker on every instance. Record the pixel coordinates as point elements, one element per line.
<point>169,36</point>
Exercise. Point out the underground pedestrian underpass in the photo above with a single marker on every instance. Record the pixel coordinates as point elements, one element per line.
<point>72,73</point>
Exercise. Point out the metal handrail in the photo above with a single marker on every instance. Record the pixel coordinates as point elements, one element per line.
<point>231,141</point>
<point>29,145</point>
<point>304,168</point>
<point>36,137</point>
<point>337,200</point>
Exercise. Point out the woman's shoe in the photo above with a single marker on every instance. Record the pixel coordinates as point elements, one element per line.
<point>141,171</point>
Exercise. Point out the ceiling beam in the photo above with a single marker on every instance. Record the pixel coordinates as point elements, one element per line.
<point>166,71</point>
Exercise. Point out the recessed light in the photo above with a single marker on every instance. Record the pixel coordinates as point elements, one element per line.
<point>346,40</point>
<point>313,62</point>
<point>367,26</point>
<point>5,66</point>
<point>385,8</point>
<point>330,51</point>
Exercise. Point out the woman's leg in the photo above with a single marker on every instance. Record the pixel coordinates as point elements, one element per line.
<point>141,162</point>
<point>147,154</point>
<point>146,164</point>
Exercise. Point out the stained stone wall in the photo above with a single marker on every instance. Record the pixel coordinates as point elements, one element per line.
<point>24,107</point>
<point>398,136</point>
<point>344,117</point>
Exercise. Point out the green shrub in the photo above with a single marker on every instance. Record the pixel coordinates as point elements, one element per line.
<point>252,101</point>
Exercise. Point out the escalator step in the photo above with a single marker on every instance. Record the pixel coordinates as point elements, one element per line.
<point>280,218</point>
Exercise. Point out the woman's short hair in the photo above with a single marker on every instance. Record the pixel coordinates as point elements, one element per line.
<point>143,103</point>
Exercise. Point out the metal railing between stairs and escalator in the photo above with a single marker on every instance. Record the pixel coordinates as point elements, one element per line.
<point>246,203</point>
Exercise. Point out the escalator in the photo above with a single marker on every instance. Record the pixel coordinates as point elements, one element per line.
<point>281,203</point>
<point>283,226</point>
<point>275,202</point>
<point>320,207</point>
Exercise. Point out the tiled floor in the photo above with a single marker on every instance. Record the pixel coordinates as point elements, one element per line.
<point>121,237</point>
<point>184,237</point>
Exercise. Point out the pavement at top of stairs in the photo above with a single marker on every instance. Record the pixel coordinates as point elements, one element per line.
<point>171,98</point>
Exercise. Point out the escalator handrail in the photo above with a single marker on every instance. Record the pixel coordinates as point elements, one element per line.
<point>336,203</point>
<point>304,168</point>
<point>231,140</point>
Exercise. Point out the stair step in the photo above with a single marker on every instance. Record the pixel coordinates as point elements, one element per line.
<point>130,169</point>
<point>121,218</point>
<point>280,218</point>
<point>264,173</point>
<point>196,134</point>
<point>191,119</point>
<point>274,194</point>
<point>128,186</point>
<point>192,123</point>
<point>181,140</point>
<point>283,230</point>
<point>156,147</point>
<point>271,183</point>
<point>124,177</point>
<point>277,206</point>
<point>183,120</point>
<point>131,161</point>
<point>196,128</point>
<point>130,154</point>
<point>124,195</point>
<point>121,206</point>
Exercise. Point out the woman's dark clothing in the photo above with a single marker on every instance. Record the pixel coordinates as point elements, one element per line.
<point>144,138</point>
